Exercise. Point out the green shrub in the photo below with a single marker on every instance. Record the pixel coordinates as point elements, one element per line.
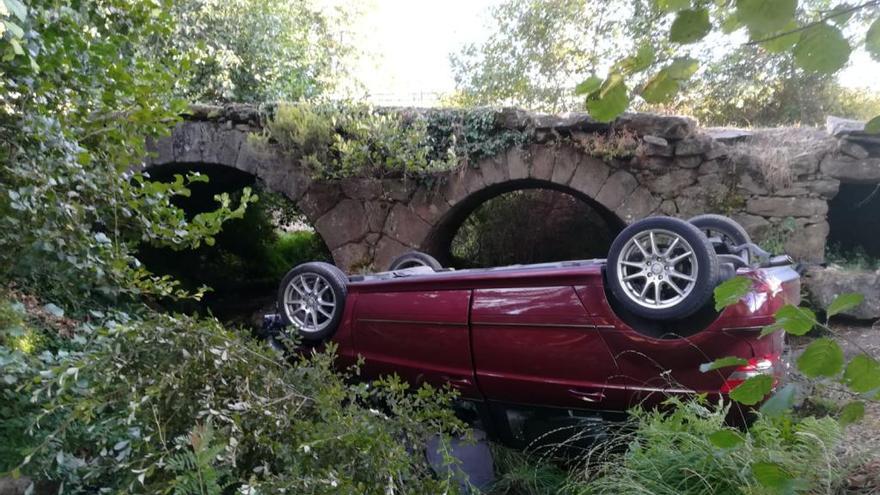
<point>679,451</point>
<point>162,403</point>
<point>337,140</point>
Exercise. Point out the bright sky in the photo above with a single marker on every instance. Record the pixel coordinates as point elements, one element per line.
<point>408,43</point>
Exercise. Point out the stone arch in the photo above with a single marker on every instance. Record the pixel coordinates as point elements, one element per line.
<point>612,191</point>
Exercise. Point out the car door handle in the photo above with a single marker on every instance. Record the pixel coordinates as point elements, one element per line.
<point>587,396</point>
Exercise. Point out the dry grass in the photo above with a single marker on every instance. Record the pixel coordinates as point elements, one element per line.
<point>774,151</point>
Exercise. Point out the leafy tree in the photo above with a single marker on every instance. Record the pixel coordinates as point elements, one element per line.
<point>79,95</point>
<point>819,38</point>
<point>255,50</point>
<point>539,50</point>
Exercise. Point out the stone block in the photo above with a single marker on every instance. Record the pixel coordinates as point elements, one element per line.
<point>694,145</point>
<point>850,170</point>
<point>386,250</point>
<point>429,205</point>
<point>672,182</point>
<point>826,188</point>
<point>343,224</point>
<point>319,199</point>
<point>787,207</point>
<point>494,170</point>
<point>616,189</point>
<point>825,284</point>
<point>567,161</point>
<point>852,149</point>
<point>406,227</point>
<point>517,164</point>
<point>351,257</point>
<point>543,160</point>
<point>638,204</point>
<point>807,242</point>
<point>693,161</point>
<point>376,214</point>
<point>590,176</point>
<point>666,127</point>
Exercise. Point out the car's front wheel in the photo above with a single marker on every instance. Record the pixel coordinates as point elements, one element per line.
<point>662,268</point>
<point>311,298</point>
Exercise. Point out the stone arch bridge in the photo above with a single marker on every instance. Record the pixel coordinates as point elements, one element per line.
<point>678,170</point>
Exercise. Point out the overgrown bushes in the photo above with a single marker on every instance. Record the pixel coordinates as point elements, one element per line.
<point>336,140</point>
<point>158,403</point>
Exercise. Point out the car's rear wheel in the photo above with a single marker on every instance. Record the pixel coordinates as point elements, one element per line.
<point>413,259</point>
<point>727,231</point>
<point>662,268</point>
<point>311,298</point>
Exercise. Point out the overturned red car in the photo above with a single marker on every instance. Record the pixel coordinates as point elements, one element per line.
<point>583,336</point>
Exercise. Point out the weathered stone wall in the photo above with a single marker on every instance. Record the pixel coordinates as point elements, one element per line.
<point>761,178</point>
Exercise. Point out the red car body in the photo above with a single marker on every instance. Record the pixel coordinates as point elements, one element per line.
<point>546,335</point>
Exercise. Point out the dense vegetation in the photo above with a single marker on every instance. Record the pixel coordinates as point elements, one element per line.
<point>101,391</point>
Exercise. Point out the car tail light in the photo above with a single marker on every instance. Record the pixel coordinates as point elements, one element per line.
<point>767,365</point>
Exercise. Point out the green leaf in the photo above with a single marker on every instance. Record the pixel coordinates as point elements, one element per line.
<point>724,362</point>
<point>821,358</point>
<point>683,68</point>
<point>672,5</point>
<point>780,402</point>
<point>852,413</point>
<point>4,11</point>
<point>792,319</point>
<point>873,126</point>
<point>690,26</point>
<point>843,303</point>
<point>16,46</point>
<point>17,8</point>
<point>765,16</point>
<point>753,390</point>
<point>822,48</point>
<point>862,374</point>
<point>667,82</point>
<point>589,85</point>
<point>611,101</point>
<point>643,59</point>
<point>731,23</point>
<point>771,475</point>
<point>872,40</point>
<point>731,291</point>
<point>15,29</point>
<point>785,42</point>
<point>725,439</point>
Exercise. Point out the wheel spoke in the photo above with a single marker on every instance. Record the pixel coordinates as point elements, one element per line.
<point>675,288</point>
<point>680,257</point>
<point>645,289</point>
<point>653,244</point>
<point>635,275</point>
<point>321,310</point>
<point>671,247</point>
<point>682,276</point>
<point>326,303</point>
<point>657,293</point>
<point>639,245</point>
<point>633,264</point>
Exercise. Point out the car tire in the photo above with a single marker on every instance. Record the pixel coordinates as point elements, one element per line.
<point>311,299</point>
<point>731,233</point>
<point>413,259</point>
<point>662,268</point>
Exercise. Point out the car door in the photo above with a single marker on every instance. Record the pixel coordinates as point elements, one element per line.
<point>421,335</point>
<point>538,345</point>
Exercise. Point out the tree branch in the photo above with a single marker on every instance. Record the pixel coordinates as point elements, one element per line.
<point>850,10</point>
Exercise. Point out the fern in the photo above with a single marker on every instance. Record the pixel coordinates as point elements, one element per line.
<point>194,467</point>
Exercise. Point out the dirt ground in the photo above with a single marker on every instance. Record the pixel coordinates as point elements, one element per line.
<point>860,447</point>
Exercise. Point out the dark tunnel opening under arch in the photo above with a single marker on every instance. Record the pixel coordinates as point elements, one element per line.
<point>250,255</point>
<point>523,221</point>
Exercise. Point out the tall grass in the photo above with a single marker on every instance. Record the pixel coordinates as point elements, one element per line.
<point>670,452</point>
